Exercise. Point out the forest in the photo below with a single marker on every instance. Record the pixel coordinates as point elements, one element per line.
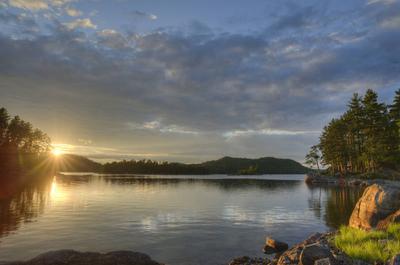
<point>365,139</point>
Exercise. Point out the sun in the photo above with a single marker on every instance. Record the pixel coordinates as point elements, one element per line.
<point>56,152</point>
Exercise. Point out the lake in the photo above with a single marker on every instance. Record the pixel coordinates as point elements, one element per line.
<point>175,219</point>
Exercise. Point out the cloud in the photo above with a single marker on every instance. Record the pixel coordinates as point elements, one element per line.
<point>81,23</point>
<point>85,141</point>
<point>20,24</point>
<point>392,22</point>
<point>238,133</point>
<point>29,4</point>
<point>113,39</point>
<point>158,126</point>
<point>37,5</point>
<point>140,14</point>
<point>295,18</point>
<point>73,12</point>
<point>386,2</point>
<point>60,2</point>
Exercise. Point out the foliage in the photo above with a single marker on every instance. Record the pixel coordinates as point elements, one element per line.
<point>17,135</point>
<point>365,138</point>
<point>251,170</point>
<point>21,145</point>
<point>369,246</point>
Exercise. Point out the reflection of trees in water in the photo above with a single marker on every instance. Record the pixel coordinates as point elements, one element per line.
<point>224,184</point>
<point>314,201</point>
<point>24,206</point>
<point>338,203</point>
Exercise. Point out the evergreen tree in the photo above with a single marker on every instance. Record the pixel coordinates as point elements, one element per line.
<point>354,119</point>
<point>334,146</point>
<point>378,132</point>
<point>366,138</point>
<point>395,107</point>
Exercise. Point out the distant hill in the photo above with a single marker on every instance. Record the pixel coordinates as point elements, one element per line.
<point>264,165</point>
<point>76,163</point>
<point>225,165</point>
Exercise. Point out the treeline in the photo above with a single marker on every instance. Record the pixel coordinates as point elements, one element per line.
<point>153,167</point>
<point>365,139</point>
<point>21,145</point>
<point>225,165</point>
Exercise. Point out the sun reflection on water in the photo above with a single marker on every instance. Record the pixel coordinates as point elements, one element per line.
<point>53,190</point>
<point>56,192</point>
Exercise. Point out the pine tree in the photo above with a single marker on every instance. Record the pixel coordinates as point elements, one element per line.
<point>377,125</point>
<point>354,118</point>
<point>395,107</point>
<point>395,116</point>
<point>334,146</point>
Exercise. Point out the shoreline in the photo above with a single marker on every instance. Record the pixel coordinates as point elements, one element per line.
<point>350,181</point>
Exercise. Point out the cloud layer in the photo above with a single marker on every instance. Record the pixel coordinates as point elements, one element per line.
<point>194,93</point>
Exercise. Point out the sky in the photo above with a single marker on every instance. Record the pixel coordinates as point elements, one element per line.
<point>191,81</point>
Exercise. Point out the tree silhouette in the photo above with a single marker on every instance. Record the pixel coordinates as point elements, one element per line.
<point>20,143</point>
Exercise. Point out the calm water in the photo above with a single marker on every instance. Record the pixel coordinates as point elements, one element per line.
<point>174,219</point>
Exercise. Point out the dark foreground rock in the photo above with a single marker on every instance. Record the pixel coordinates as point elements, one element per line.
<point>313,249</point>
<point>316,252</point>
<point>250,261</point>
<point>376,204</point>
<point>71,257</point>
<point>274,246</point>
<point>393,218</point>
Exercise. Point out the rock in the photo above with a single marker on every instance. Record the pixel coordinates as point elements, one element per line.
<point>325,261</point>
<point>250,261</point>
<point>71,257</point>
<point>395,260</point>
<point>312,253</point>
<point>376,203</point>
<point>273,246</point>
<point>292,256</point>
<point>393,218</point>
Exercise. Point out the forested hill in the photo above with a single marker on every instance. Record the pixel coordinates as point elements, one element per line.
<point>226,165</point>
<point>264,165</point>
<point>76,163</point>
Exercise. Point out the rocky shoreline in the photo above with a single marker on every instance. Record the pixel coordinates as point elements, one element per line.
<point>314,179</point>
<point>378,207</point>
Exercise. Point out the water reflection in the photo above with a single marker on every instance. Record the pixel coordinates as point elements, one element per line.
<point>223,184</point>
<point>334,204</point>
<point>159,216</point>
<point>24,206</point>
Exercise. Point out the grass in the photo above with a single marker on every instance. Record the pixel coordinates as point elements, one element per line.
<point>369,245</point>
